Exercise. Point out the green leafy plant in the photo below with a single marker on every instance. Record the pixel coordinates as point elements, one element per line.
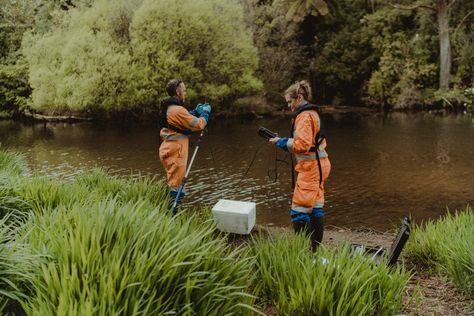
<point>107,257</point>
<point>447,245</point>
<point>115,55</point>
<point>330,282</point>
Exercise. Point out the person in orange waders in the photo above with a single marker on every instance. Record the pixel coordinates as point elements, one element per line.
<point>312,163</point>
<point>177,123</point>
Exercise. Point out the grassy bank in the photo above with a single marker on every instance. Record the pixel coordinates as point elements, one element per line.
<point>447,247</point>
<point>101,245</point>
<point>330,282</point>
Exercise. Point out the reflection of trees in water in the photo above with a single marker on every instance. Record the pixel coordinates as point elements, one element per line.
<point>14,134</point>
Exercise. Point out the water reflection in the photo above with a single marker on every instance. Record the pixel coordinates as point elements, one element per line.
<point>383,167</point>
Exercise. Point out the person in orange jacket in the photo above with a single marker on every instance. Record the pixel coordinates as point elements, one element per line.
<point>177,123</point>
<point>312,162</point>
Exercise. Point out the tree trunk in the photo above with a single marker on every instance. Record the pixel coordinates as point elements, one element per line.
<point>444,44</point>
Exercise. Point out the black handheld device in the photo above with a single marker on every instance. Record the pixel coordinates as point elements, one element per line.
<point>266,133</point>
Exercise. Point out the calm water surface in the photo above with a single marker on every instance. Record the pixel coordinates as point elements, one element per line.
<point>383,167</point>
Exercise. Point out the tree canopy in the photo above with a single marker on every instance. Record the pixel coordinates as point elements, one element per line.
<point>102,54</point>
<point>120,54</point>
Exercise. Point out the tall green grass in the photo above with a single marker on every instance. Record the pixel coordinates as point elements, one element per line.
<point>125,189</point>
<point>103,245</point>
<point>448,245</point>
<point>331,282</point>
<point>38,194</point>
<point>12,164</point>
<point>16,264</point>
<point>109,257</point>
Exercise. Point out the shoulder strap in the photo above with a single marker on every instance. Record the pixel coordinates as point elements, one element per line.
<point>309,107</point>
<point>319,135</point>
<point>164,116</point>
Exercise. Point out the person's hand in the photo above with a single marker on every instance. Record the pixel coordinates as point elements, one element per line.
<point>280,142</point>
<point>204,110</point>
<point>274,140</point>
<point>196,110</point>
<point>193,112</point>
<point>201,108</point>
<point>206,107</point>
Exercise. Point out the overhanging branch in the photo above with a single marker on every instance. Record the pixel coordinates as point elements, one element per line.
<point>414,7</point>
<point>462,21</point>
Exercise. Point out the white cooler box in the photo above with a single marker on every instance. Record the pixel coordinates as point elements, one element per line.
<point>236,217</point>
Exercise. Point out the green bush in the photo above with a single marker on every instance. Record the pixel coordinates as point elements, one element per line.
<point>14,87</point>
<point>120,54</point>
<point>447,244</point>
<point>330,282</point>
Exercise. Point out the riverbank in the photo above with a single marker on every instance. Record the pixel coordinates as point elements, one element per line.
<point>151,115</point>
<point>161,264</point>
<point>145,115</point>
<point>425,294</point>
<point>134,235</point>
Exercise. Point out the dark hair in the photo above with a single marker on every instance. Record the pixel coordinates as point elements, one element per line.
<point>171,86</point>
<point>301,87</point>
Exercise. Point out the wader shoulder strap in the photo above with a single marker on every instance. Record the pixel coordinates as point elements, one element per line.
<point>318,139</point>
<point>164,116</point>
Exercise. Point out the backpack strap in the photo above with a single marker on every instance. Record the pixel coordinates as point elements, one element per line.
<point>318,139</point>
<point>164,116</point>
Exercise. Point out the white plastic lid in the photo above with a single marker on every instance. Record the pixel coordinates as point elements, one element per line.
<point>232,206</point>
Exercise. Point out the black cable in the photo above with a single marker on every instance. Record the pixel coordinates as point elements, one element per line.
<point>253,158</point>
<point>210,150</point>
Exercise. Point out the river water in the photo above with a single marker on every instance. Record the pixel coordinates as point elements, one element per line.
<point>383,166</point>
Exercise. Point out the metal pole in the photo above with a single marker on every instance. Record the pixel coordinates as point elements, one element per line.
<point>183,182</point>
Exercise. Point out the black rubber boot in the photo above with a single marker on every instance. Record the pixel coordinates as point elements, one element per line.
<point>317,231</point>
<point>301,227</point>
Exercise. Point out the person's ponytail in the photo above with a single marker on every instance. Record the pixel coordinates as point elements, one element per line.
<point>302,88</point>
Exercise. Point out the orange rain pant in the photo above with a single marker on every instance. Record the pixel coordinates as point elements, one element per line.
<point>174,157</point>
<point>309,193</point>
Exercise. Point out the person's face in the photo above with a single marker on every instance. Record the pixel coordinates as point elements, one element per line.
<point>294,103</point>
<point>181,91</point>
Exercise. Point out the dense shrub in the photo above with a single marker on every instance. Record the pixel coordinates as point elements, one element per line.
<point>120,54</point>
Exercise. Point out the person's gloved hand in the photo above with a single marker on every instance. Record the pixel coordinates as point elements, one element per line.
<point>204,110</point>
<point>206,107</point>
<point>195,111</point>
<point>282,143</point>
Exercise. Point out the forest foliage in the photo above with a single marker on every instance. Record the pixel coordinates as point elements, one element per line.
<point>64,55</point>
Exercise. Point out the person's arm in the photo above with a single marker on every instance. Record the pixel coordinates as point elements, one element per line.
<point>178,116</point>
<point>304,136</point>
<point>303,140</point>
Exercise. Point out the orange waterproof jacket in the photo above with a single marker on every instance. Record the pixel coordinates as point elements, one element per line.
<point>309,190</point>
<point>174,148</point>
